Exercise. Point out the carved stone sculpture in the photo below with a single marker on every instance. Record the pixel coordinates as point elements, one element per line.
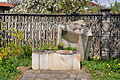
<point>76,34</point>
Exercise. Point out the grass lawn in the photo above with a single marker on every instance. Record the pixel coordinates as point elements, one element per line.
<point>103,69</point>
<point>8,67</point>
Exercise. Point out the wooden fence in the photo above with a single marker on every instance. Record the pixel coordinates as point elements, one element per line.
<point>41,29</point>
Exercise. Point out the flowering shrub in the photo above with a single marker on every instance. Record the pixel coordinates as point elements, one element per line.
<point>13,54</point>
<point>51,6</point>
<point>15,47</point>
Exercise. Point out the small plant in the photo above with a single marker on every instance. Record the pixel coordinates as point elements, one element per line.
<point>60,46</point>
<point>51,47</point>
<point>47,46</point>
<point>70,48</point>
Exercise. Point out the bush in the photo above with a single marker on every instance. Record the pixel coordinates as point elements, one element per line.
<point>14,54</point>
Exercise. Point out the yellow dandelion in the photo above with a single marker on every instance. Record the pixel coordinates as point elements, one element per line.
<point>61,44</point>
<point>5,54</point>
<point>15,30</point>
<point>13,34</point>
<point>109,74</point>
<point>18,36</point>
<point>109,66</point>
<point>0,58</point>
<point>19,31</point>
<point>21,38</point>
<point>118,64</point>
<point>2,51</point>
<point>90,57</point>
<point>115,60</point>
<point>9,51</point>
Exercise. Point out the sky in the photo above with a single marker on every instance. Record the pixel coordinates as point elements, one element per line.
<point>105,2</point>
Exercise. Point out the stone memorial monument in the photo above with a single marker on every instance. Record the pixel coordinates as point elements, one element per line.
<point>76,34</point>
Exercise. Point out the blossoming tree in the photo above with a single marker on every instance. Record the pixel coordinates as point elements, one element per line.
<point>52,6</point>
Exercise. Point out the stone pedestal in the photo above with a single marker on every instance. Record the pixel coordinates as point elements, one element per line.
<point>56,60</point>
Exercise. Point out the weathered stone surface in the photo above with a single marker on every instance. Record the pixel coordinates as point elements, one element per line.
<point>76,62</point>
<point>68,79</point>
<point>56,75</point>
<point>27,79</point>
<point>52,71</point>
<point>44,61</point>
<point>29,72</point>
<point>84,43</point>
<point>29,75</point>
<point>64,51</point>
<point>37,72</point>
<point>60,75</point>
<point>81,72</point>
<point>53,79</point>
<point>45,71</point>
<point>38,79</point>
<point>72,71</point>
<point>82,76</point>
<point>44,76</point>
<point>56,61</point>
<point>73,76</point>
<point>35,61</point>
<point>82,79</point>
<point>76,34</point>
<point>60,62</point>
<point>71,32</point>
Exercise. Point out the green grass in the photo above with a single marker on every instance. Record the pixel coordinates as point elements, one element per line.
<point>8,67</point>
<point>103,69</point>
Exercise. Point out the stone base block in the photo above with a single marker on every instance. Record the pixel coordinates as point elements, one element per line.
<point>56,61</point>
